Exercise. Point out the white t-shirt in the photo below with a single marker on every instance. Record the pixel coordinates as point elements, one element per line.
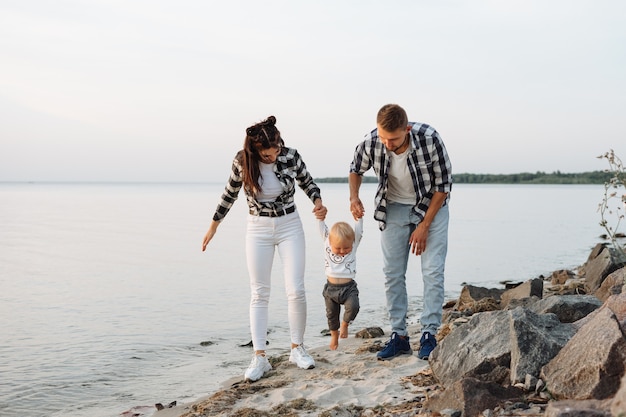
<point>270,185</point>
<point>337,266</point>
<point>400,188</point>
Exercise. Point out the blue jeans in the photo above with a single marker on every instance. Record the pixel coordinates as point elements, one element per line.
<point>401,222</point>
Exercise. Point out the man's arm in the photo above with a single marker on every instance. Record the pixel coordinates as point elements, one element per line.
<point>356,206</point>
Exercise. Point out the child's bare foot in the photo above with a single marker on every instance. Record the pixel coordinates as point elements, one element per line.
<point>343,330</point>
<point>334,339</point>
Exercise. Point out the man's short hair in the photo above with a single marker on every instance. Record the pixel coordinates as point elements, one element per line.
<point>392,117</point>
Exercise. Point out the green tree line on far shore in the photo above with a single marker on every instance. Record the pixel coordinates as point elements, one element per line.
<point>556,177</point>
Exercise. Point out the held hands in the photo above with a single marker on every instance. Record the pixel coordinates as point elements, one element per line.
<point>356,208</point>
<point>319,210</point>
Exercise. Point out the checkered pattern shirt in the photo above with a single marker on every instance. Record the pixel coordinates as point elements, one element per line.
<point>289,169</point>
<point>428,162</point>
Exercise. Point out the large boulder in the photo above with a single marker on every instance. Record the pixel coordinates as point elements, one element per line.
<point>478,349</point>
<point>500,347</point>
<point>535,340</point>
<point>471,397</point>
<point>591,364</point>
<point>601,262</point>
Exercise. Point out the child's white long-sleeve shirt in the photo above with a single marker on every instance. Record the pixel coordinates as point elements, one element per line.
<point>337,266</point>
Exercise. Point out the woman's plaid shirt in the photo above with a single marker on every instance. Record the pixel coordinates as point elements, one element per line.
<point>289,169</point>
<point>428,162</point>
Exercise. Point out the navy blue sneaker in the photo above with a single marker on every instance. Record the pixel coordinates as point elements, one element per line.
<point>397,345</point>
<point>427,344</point>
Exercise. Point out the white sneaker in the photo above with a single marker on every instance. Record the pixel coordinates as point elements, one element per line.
<point>301,357</point>
<point>258,367</point>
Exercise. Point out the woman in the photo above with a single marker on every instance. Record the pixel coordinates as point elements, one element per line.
<point>268,171</point>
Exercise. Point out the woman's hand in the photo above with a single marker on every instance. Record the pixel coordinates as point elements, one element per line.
<point>209,234</point>
<point>319,210</point>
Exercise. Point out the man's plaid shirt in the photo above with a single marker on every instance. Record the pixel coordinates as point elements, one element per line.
<point>289,169</point>
<point>428,162</point>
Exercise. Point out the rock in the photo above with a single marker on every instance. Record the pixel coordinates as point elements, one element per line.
<point>574,286</point>
<point>572,408</point>
<point>500,347</point>
<point>591,364</point>
<point>477,349</point>
<point>249,344</point>
<point>160,406</point>
<point>612,284</point>
<point>450,412</point>
<point>471,396</point>
<point>370,333</point>
<point>521,302</point>
<point>560,277</point>
<point>598,267</point>
<point>568,308</point>
<point>530,383</point>
<point>471,294</point>
<point>535,339</point>
<point>618,406</point>
<point>533,287</point>
<point>617,305</point>
<point>595,251</point>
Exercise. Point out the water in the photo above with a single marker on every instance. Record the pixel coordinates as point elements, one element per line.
<point>106,297</point>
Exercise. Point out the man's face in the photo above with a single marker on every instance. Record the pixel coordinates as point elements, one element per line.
<point>395,141</point>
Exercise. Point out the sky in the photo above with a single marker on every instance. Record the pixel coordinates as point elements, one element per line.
<point>154,90</point>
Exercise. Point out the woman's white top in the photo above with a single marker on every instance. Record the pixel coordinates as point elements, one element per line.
<point>271,187</point>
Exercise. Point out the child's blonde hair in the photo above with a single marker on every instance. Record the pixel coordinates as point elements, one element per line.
<point>341,231</point>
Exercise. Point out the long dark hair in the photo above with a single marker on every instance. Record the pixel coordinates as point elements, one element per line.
<point>263,135</point>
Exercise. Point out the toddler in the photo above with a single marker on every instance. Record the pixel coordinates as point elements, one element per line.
<point>340,244</point>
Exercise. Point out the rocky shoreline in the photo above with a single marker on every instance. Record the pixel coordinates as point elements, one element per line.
<point>551,346</point>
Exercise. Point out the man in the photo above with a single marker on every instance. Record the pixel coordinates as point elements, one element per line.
<point>414,182</point>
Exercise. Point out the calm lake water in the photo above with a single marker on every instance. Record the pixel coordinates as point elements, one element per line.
<point>106,297</point>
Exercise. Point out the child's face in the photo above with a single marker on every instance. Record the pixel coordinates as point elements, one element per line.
<point>340,247</point>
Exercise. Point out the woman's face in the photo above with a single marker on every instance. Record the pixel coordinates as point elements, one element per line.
<point>269,155</point>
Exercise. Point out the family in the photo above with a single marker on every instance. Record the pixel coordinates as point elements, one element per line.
<point>411,207</point>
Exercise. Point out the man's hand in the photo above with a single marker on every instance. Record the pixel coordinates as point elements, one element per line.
<point>418,238</point>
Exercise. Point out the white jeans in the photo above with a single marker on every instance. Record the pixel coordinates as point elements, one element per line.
<point>264,235</point>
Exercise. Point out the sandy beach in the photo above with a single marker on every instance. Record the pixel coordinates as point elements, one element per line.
<point>349,378</point>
